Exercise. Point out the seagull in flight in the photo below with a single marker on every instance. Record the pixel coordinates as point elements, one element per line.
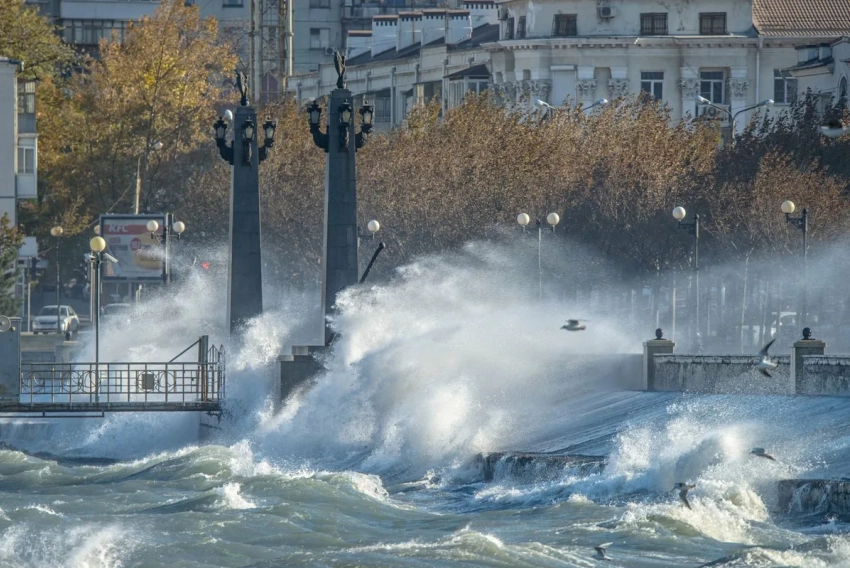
<point>574,325</point>
<point>683,492</point>
<point>600,551</point>
<point>765,362</point>
<point>762,454</point>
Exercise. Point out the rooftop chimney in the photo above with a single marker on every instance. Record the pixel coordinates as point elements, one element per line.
<point>384,32</point>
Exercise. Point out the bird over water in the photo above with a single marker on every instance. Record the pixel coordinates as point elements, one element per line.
<point>765,363</point>
<point>574,325</point>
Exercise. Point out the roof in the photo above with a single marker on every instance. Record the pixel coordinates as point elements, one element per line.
<point>801,18</point>
<point>479,70</point>
<point>481,34</point>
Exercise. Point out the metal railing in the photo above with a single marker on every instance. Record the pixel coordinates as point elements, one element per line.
<point>161,386</point>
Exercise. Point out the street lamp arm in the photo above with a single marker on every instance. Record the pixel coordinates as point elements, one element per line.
<point>320,138</point>
<point>751,107</point>
<point>225,150</point>
<point>264,149</point>
<point>362,137</point>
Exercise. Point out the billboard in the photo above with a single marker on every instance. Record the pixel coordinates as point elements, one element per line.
<point>140,256</point>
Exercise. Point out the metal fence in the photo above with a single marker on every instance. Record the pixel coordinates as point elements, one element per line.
<point>167,386</point>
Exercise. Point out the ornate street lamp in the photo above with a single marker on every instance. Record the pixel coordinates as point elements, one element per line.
<point>692,227</point>
<point>373,227</point>
<point>802,223</point>
<point>523,220</point>
<point>345,112</point>
<point>170,230</point>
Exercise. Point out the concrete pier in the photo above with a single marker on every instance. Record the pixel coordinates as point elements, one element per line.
<point>534,466</point>
<point>826,497</point>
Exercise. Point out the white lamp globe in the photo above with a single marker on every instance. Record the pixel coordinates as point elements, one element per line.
<point>152,226</point>
<point>788,207</point>
<point>373,226</point>
<point>523,219</point>
<point>178,227</point>
<point>97,244</point>
<point>679,213</point>
<point>553,219</point>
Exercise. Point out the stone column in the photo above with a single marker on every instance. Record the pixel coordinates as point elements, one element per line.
<point>585,86</point>
<point>800,349</point>
<point>689,87</point>
<point>245,282</point>
<point>650,349</point>
<point>618,84</point>
<point>738,86</point>
<point>339,255</point>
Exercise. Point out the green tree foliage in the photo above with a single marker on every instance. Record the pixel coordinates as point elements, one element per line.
<point>29,37</point>
<point>159,86</point>
<point>10,243</point>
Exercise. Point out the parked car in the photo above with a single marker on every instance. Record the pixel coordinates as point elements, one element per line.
<point>45,321</point>
<point>115,312</point>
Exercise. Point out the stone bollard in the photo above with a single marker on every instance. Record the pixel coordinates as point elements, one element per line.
<point>802,348</point>
<point>651,348</point>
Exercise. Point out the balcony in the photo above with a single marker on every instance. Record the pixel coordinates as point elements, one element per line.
<point>365,10</point>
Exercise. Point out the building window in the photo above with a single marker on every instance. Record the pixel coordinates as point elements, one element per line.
<point>320,38</point>
<point>653,24</point>
<point>520,27</point>
<point>320,3</point>
<point>712,86</point>
<point>26,97</point>
<point>652,82</point>
<point>26,160</point>
<point>90,32</point>
<point>712,24</point>
<point>565,25</point>
<point>231,3</point>
<point>784,87</point>
<point>509,28</point>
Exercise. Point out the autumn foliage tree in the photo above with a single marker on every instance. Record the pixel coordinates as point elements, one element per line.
<point>161,85</point>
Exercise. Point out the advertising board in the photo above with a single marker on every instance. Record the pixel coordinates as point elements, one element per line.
<point>140,256</point>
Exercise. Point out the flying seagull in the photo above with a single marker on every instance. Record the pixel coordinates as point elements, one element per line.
<point>765,362</point>
<point>762,454</point>
<point>574,325</point>
<point>683,492</point>
<point>600,551</point>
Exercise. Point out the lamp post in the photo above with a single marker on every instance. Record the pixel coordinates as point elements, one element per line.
<point>552,109</point>
<point>373,227</point>
<point>340,142</point>
<point>702,100</point>
<point>156,146</point>
<point>802,223</point>
<point>523,220</point>
<point>97,245</point>
<point>170,230</point>
<point>57,233</point>
<point>243,153</point>
<point>834,129</point>
<point>692,227</point>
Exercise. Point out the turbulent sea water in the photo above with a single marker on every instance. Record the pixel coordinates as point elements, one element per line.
<point>375,464</point>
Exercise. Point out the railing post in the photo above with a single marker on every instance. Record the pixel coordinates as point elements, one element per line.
<point>203,359</point>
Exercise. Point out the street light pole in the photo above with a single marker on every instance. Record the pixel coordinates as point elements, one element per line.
<point>679,214</point>
<point>802,223</point>
<point>170,230</point>
<point>156,146</point>
<point>97,245</point>
<point>552,109</point>
<point>57,233</point>
<point>702,100</point>
<point>553,219</point>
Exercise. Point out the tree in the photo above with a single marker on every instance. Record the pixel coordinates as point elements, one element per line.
<point>10,243</point>
<point>29,37</point>
<point>160,85</point>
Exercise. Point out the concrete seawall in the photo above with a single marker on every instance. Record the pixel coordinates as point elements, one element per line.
<point>720,374</point>
<point>534,466</point>
<point>825,375</point>
<point>821,497</point>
